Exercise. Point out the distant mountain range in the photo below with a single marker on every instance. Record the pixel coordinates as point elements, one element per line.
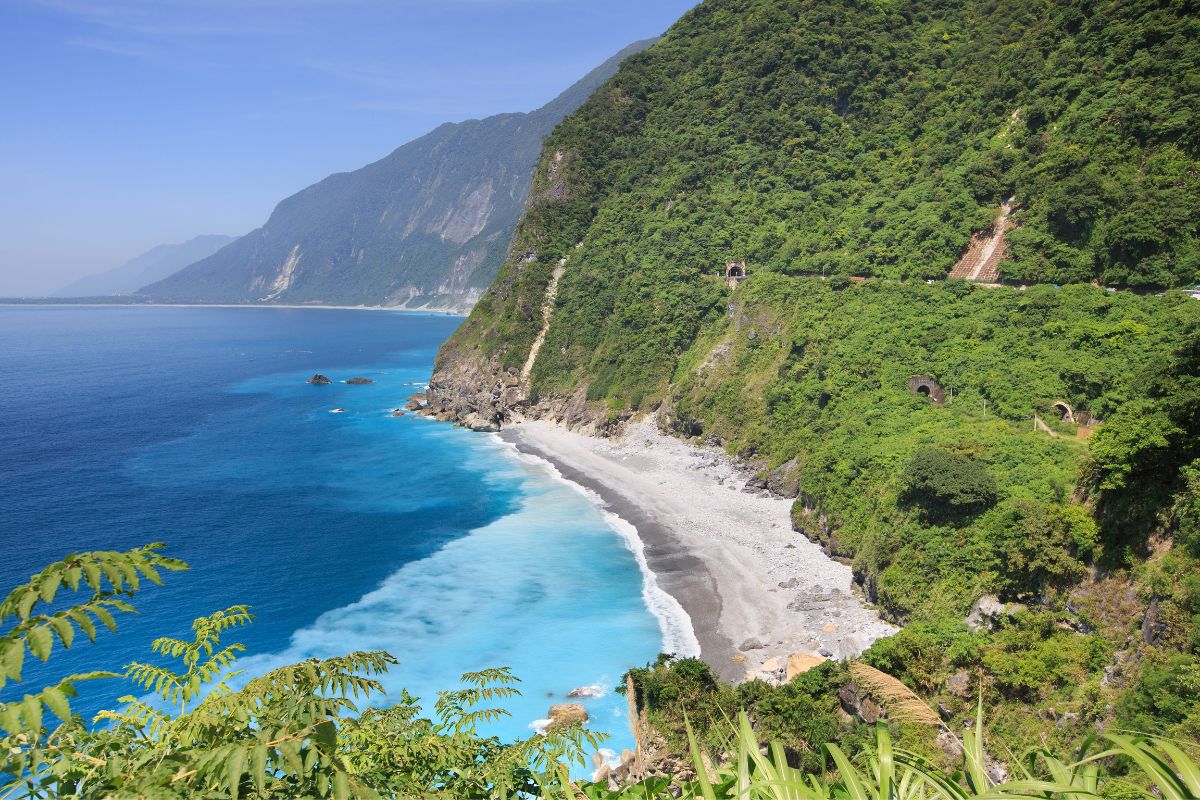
<point>153,265</point>
<point>427,226</point>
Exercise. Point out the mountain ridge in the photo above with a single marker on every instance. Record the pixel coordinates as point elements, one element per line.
<point>153,265</point>
<point>849,155</point>
<point>424,227</point>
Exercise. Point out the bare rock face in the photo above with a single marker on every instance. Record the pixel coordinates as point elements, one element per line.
<point>983,614</point>
<point>359,381</point>
<point>319,380</point>
<point>564,715</point>
<point>416,402</point>
<point>799,663</point>
<point>959,683</point>
<point>475,422</point>
<point>856,704</point>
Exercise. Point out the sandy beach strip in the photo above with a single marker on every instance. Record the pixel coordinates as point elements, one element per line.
<point>755,590</point>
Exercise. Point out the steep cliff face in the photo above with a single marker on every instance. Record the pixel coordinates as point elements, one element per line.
<point>819,139</point>
<point>427,226</point>
<point>851,154</point>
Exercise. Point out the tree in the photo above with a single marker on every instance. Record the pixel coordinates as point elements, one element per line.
<point>948,486</point>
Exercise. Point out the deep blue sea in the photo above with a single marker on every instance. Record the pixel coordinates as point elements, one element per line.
<point>351,531</point>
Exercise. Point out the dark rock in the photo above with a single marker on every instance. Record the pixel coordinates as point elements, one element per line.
<point>417,401</point>
<point>959,683</point>
<point>759,481</point>
<point>1154,629</point>
<point>359,381</point>
<point>319,380</point>
<point>784,480</point>
<point>869,711</point>
<point>751,644</point>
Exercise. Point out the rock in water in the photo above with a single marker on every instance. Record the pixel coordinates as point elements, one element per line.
<point>359,381</point>
<point>564,715</point>
<point>586,691</point>
<point>417,401</point>
<point>319,380</point>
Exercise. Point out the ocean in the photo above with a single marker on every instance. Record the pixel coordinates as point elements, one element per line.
<point>343,531</point>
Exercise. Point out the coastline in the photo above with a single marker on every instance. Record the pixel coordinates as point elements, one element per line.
<point>755,591</point>
<point>439,311</point>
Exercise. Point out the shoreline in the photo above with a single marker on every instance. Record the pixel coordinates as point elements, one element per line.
<point>754,590</point>
<point>439,311</point>
<point>689,581</point>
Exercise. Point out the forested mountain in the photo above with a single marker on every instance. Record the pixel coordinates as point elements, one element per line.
<point>426,226</point>
<point>153,265</point>
<point>850,153</point>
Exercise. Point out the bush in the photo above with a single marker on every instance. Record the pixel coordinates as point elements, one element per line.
<point>948,486</point>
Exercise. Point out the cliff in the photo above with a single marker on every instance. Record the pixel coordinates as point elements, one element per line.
<point>852,156</point>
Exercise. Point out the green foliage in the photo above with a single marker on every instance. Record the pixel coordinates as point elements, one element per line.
<point>1165,695</point>
<point>948,485</point>
<point>812,141</point>
<point>209,676</point>
<point>883,771</point>
<point>30,624</point>
<point>296,731</point>
<point>433,217</point>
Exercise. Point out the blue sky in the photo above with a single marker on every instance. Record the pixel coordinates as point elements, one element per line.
<point>130,123</point>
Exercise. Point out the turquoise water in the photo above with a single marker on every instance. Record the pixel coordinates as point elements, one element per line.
<point>344,531</point>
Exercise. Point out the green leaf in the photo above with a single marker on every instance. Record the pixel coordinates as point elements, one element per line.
<point>91,573</point>
<point>64,629</point>
<point>40,641</point>
<point>341,786</point>
<point>84,622</point>
<point>12,657</point>
<point>260,768</point>
<point>31,712</point>
<point>56,701</point>
<point>26,603</point>
<point>235,767</point>
<point>48,586</point>
<point>10,718</point>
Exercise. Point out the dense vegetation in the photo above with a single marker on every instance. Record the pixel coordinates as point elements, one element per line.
<point>863,139</point>
<point>821,141</point>
<point>429,223</point>
<point>297,731</point>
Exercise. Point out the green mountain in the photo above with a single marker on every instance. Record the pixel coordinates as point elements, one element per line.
<point>153,265</point>
<point>855,156</point>
<point>428,225</point>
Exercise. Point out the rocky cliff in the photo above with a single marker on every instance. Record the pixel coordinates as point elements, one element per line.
<point>427,226</point>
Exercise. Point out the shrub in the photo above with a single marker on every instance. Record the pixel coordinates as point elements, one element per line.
<point>948,486</point>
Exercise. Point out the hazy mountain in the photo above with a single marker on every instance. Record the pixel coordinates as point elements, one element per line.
<point>150,266</point>
<point>428,225</point>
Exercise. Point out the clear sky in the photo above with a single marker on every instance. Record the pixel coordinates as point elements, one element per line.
<point>125,124</point>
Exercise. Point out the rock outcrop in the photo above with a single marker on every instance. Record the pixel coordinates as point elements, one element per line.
<point>564,715</point>
<point>319,380</point>
<point>359,381</point>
